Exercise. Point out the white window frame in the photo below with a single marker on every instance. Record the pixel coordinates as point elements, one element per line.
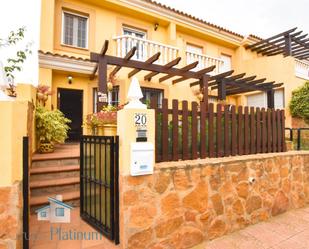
<point>135,30</point>
<point>62,29</point>
<point>43,214</point>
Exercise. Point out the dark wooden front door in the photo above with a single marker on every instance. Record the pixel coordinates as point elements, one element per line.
<point>70,102</point>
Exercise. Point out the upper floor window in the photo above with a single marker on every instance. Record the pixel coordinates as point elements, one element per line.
<point>140,53</point>
<point>194,49</point>
<point>134,32</point>
<point>227,63</point>
<point>75,30</point>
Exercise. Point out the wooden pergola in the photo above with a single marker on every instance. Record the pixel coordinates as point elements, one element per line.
<point>224,82</point>
<point>289,43</point>
<point>228,84</point>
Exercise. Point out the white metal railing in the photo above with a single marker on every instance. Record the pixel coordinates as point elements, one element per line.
<point>302,69</point>
<point>145,49</point>
<point>205,61</point>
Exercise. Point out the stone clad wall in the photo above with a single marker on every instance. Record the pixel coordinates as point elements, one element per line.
<point>185,203</point>
<point>11,216</point>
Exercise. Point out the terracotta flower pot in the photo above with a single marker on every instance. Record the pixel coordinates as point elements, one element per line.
<point>46,148</point>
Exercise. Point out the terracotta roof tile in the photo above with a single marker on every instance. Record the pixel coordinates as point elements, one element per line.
<point>192,17</point>
<point>63,56</point>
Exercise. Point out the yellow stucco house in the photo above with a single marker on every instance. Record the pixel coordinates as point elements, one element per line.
<point>72,29</point>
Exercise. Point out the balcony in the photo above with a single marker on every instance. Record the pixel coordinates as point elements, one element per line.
<point>147,48</point>
<point>205,61</point>
<point>302,69</point>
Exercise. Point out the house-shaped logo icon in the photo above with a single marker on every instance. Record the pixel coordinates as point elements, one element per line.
<point>56,211</point>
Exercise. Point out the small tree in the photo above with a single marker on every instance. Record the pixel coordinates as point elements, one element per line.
<point>14,63</point>
<point>299,105</point>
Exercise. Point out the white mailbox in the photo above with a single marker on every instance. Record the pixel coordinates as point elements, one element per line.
<point>142,158</point>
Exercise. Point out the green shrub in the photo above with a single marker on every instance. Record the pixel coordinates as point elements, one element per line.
<point>51,126</point>
<point>299,105</point>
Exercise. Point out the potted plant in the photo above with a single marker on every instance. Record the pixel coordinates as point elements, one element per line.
<point>51,127</point>
<point>104,123</point>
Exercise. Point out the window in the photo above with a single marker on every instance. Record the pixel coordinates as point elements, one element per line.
<point>59,212</point>
<point>257,100</point>
<point>149,93</point>
<point>43,214</point>
<point>194,49</point>
<point>134,32</point>
<point>114,97</point>
<point>279,99</point>
<point>75,30</point>
<point>227,63</point>
<point>192,52</point>
<point>140,53</point>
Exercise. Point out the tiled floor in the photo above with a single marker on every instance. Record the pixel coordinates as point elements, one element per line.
<point>75,235</point>
<point>286,231</point>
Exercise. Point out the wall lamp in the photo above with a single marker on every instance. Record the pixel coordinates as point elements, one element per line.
<point>70,79</point>
<point>156,26</point>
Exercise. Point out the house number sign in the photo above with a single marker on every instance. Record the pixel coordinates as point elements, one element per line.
<point>140,120</point>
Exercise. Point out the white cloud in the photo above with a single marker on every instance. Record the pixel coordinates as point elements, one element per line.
<point>260,17</point>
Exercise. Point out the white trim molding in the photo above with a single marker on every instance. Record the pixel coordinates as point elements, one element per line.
<point>65,64</point>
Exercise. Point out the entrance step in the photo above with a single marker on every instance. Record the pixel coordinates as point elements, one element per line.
<point>53,182</point>
<point>55,174</point>
<point>53,169</point>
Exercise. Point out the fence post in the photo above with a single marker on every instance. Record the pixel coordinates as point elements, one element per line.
<point>127,126</point>
<point>298,138</point>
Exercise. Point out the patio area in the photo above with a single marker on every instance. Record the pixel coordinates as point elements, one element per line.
<point>287,231</point>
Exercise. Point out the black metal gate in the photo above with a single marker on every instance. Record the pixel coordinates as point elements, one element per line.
<point>99,194</point>
<point>26,193</point>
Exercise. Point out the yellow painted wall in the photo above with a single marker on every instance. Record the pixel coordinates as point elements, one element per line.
<point>12,129</point>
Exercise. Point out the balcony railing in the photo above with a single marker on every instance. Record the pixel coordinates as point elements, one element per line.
<point>205,61</point>
<point>145,49</point>
<point>302,69</point>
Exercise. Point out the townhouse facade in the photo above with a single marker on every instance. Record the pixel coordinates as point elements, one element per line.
<point>72,29</point>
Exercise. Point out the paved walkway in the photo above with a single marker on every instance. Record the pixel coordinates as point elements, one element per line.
<point>287,231</point>
<point>75,235</point>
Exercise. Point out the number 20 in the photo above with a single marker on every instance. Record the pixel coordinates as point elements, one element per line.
<point>140,119</point>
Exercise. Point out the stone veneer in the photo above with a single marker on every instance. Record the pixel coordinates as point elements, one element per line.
<point>185,203</point>
<point>11,217</point>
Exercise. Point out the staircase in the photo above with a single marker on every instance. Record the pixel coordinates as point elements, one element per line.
<point>55,173</point>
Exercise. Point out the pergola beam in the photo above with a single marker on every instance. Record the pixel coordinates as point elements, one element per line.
<point>271,38</point>
<point>151,60</point>
<point>128,56</point>
<point>201,72</point>
<point>103,52</point>
<point>288,43</point>
<point>168,65</point>
<point>184,69</point>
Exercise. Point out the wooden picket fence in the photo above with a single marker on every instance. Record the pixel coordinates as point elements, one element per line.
<point>205,131</point>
